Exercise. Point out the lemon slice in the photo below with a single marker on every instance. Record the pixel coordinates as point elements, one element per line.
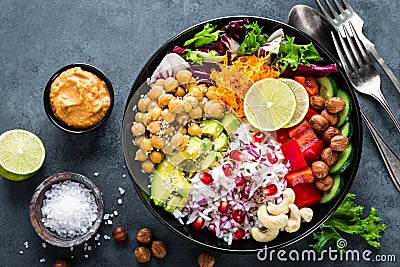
<point>22,154</point>
<point>269,104</point>
<point>302,102</point>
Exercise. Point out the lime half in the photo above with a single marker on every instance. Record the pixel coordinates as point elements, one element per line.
<point>302,102</point>
<point>269,104</point>
<point>22,154</point>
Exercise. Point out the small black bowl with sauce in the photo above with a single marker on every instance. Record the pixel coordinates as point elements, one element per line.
<point>87,83</point>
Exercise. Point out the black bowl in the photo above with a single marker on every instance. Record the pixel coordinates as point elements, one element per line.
<point>47,106</point>
<point>204,237</point>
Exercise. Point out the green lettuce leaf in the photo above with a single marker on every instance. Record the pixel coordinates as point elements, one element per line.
<point>253,40</point>
<point>199,56</point>
<point>206,36</point>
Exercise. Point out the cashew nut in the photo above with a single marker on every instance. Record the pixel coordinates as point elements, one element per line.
<point>287,198</point>
<point>271,221</point>
<point>294,219</point>
<point>264,236</point>
<point>306,214</point>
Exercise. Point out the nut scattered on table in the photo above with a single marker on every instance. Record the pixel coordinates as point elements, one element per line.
<point>119,234</point>
<point>142,254</point>
<point>61,263</point>
<point>144,235</point>
<point>158,249</point>
<point>206,259</point>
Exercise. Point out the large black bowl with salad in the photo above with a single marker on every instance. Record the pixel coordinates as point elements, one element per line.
<point>240,133</point>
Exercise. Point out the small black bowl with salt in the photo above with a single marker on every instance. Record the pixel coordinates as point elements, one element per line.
<point>66,209</point>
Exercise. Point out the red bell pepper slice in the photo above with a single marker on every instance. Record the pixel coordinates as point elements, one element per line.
<point>303,134</point>
<point>302,176</point>
<point>292,153</point>
<point>306,195</point>
<point>281,135</point>
<point>309,83</point>
<point>310,113</point>
<point>313,153</point>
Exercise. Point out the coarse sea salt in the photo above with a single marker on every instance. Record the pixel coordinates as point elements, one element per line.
<point>69,209</point>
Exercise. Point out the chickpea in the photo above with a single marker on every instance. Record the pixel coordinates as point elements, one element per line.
<point>155,92</point>
<point>139,139</point>
<point>211,93</point>
<point>175,105</point>
<point>168,149</point>
<point>169,131</point>
<point>202,102</point>
<point>168,116</point>
<point>154,127</point>
<point>196,113</point>
<point>139,117</point>
<point>159,82</point>
<point>196,92</point>
<point>192,100</point>
<point>180,92</point>
<point>176,140</point>
<point>146,145</point>
<point>187,107</point>
<point>146,119</point>
<point>143,103</point>
<point>140,156</point>
<point>154,113</point>
<point>203,89</point>
<point>182,118</point>
<point>214,108</point>
<point>191,83</point>
<point>170,85</point>
<point>147,166</point>
<point>184,76</point>
<point>164,99</point>
<point>194,130</point>
<point>183,131</point>
<point>157,141</point>
<point>138,129</point>
<point>184,143</point>
<point>152,104</point>
<point>156,156</point>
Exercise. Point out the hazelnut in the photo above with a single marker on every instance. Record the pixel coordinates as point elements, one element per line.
<point>332,118</point>
<point>318,122</point>
<point>329,156</point>
<point>320,169</point>
<point>158,249</point>
<point>317,102</point>
<point>330,133</point>
<point>119,234</point>
<point>334,104</point>
<point>206,259</point>
<point>61,263</point>
<point>324,184</point>
<point>144,235</point>
<point>339,143</point>
<point>142,254</point>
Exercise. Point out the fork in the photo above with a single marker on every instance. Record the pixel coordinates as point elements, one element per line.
<point>347,14</point>
<point>362,73</point>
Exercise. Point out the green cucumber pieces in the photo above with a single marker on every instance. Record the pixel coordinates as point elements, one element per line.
<point>332,193</point>
<point>347,129</point>
<point>344,161</point>
<point>345,113</point>
<point>327,87</point>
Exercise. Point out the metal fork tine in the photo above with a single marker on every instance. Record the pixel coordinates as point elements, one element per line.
<point>353,48</point>
<point>347,51</point>
<point>339,6</point>
<point>324,11</point>
<point>360,45</point>
<point>347,5</point>
<point>340,54</point>
<point>335,14</point>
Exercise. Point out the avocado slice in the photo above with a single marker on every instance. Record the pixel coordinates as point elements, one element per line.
<point>211,128</point>
<point>194,148</point>
<point>176,202</point>
<point>230,123</point>
<point>221,142</point>
<point>208,144</point>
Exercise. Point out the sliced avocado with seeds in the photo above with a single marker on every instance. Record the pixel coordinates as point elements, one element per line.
<point>221,142</point>
<point>194,148</point>
<point>230,123</point>
<point>173,203</point>
<point>208,144</point>
<point>211,128</point>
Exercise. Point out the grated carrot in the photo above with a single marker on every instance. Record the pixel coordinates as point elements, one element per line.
<point>229,98</point>
<point>256,68</point>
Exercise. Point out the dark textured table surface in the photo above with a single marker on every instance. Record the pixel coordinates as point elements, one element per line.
<point>39,37</point>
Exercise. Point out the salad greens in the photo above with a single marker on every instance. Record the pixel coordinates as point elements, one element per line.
<point>200,56</point>
<point>206,36</point>
<point>347,219</point>
<point>291,54</point>
<point>253,40</point>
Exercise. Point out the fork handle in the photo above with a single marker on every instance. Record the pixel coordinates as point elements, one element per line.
<point>380,98</point>
<point>390,158</point>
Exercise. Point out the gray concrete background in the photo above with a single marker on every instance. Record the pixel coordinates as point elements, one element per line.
<point>39,37</point>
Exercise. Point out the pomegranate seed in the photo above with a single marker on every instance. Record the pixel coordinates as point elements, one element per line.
<point>271,156</point>
<point>212,228</point>
<point>236,155</point>
<point>258,137</point>
<point>239,234</point>
<point>239,181</point>
<point>198,223</point>
<point>227,169</point>
<point>246,191</point>
<point>237,216</point>
<point>270,190</point>
<point>223,206</point>
<point>206,178</point>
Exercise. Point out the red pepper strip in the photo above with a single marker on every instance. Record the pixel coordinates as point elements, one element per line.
<point>281,135</point>
<point>313,153</point>
<point>303,134</point>
<point>309,83</point>
<point>306,195</point>
<point>292,153</point>
<point>310,113</point>
<point>300,177</point>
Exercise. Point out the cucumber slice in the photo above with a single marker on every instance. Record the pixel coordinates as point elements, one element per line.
<point>327,87</point>
<point>347,129</point>
<point>332,193</point>
<point>345,113</point>
<point>343,162</point>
